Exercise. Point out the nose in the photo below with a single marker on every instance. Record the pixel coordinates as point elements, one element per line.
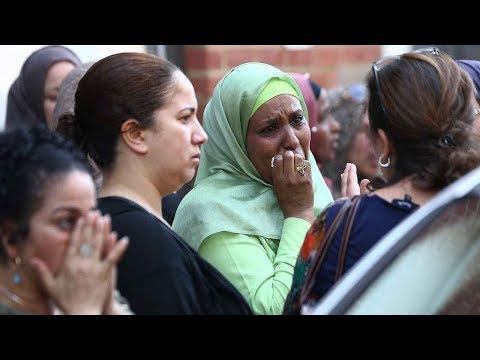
<point>199,136</point>
<point>335,126</point>
<point>290,140</point>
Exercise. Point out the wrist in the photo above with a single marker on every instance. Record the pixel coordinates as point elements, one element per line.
<point>306,215</point>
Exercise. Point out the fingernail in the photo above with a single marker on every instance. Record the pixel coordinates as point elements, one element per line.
<point>272,163</point>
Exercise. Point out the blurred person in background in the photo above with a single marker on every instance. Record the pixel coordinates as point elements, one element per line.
<point>348,106</point>
<point>32,96</point>
<point>324,130</point>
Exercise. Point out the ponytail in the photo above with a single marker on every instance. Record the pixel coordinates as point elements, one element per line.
<point>69,127</point>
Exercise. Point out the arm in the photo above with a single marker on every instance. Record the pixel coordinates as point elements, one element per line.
<point>251,264</point>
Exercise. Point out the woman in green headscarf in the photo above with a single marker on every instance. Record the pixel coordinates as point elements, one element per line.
<point>255,196</point>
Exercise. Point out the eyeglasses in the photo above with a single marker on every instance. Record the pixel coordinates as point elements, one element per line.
<point>379,64</point>
<point>477,111</point>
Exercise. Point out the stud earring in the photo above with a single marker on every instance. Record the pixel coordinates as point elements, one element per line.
<point>16,276</point>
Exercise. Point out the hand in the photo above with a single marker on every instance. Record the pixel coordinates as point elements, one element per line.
<point>350,186</point>
<point>83,283</point>
<point>294,191</point>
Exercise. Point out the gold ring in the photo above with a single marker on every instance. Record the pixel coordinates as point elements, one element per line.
<point>301,169</point>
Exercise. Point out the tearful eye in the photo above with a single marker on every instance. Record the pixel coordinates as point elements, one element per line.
<point>298,120</point>
<point>269,129</point>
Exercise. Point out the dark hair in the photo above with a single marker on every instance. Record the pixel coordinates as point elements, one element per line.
<point>117,88</point>
<point>30,160</point>
<point>428,119</point>
<point>348,110</point>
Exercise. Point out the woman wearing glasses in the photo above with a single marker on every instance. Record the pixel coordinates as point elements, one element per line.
<point>421,121</point>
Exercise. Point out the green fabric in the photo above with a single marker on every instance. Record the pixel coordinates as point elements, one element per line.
<point>260,268</point>
<point>274,88</point>
<point>229,194</point>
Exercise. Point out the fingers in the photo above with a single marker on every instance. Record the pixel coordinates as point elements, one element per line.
<point>364,186</point>
<point>75,238</point>
<point>290,165</point>
<point>43,273</point>
<point>349,181</point>
<point>344,180</point>
<point>277,170</point>
<point>298,161</point>
<point>98,235</point>
<point>117,251</point>
<point>352,175</point>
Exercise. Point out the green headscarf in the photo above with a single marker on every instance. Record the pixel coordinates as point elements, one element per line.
<point>229,193</point>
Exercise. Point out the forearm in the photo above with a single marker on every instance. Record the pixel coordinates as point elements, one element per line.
<point>271,295</point>
<point>261,274</point>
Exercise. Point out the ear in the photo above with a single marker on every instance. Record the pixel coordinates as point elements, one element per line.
<point>133,134</point>
<point>386,147</point>
<point>6,231</point>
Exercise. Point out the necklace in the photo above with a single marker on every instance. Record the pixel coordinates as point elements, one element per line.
<point>12,296</point>
<point>19,301</point>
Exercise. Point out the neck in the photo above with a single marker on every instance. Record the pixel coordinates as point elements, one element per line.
<point>136,188</point>
<point>22,297</point>
<point>403,187</point>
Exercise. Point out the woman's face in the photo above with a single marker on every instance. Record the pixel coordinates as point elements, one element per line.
<point>361,151</point>
<point>65,200</point>
<point>325,137</point>
<point>53,80</point>
<point>277,126</point>
<point>174,142</point>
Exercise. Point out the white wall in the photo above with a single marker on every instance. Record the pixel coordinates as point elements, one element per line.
<point>12,58</point>
<point>395,49</point>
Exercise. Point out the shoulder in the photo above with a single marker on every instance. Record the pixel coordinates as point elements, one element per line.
<point>147,233</point>
<point>126,214</point>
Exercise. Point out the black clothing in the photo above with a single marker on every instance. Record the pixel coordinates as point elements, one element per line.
<point>169,206</point>
<point>160,274</point>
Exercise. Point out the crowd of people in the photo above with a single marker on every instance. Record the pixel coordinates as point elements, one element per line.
<point>94,157</point>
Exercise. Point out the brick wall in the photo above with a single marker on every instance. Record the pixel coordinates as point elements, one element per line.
<point>329,65</point>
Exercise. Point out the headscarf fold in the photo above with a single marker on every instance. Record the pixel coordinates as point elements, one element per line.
<point>25,97</point>
<point>229,193</point>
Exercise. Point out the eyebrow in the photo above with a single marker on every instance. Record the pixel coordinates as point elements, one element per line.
<point>65,208</point>
<point>71,209</point>
<point>191,109</point>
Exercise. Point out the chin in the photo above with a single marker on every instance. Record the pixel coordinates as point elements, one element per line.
<point>187,177</point>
